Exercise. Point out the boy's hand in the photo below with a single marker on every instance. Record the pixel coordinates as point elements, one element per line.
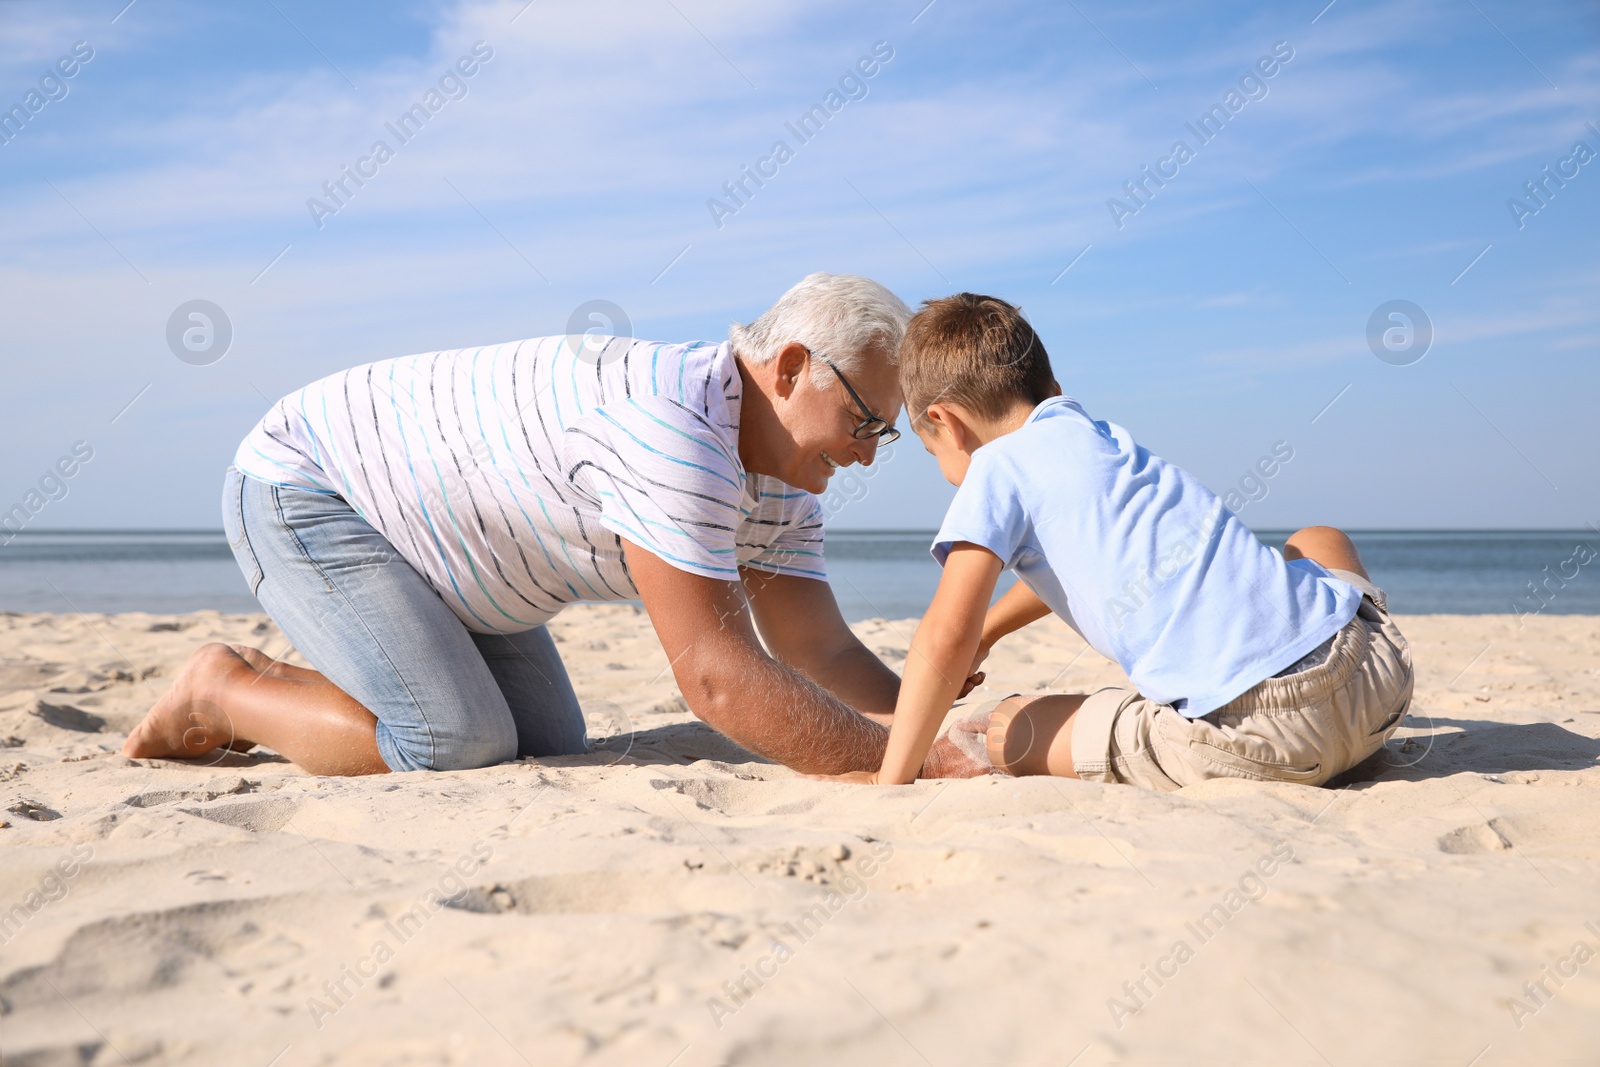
<point>975,677</point>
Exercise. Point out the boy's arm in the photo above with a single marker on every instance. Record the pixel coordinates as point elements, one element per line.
<point>1020,606</point>
<point>936,667</point>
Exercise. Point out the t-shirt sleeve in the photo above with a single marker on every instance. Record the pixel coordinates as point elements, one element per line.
<point>987,511</point>
<point>783,532</point>
<point>661,476</point>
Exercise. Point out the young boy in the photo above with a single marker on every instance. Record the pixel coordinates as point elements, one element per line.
<point>1244,662</point>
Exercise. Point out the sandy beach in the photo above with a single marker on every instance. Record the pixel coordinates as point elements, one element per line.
<point>672,900</point>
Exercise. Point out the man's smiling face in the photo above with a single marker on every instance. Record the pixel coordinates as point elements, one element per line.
<point>822,418</point>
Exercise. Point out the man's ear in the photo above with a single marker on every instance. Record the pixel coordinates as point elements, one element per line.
<point>791,364</point>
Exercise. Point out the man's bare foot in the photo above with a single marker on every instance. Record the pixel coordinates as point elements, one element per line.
<point>271,667</point>
<point>274,668</point>
<point>188,721</point>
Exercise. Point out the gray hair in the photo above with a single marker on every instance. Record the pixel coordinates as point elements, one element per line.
<point>839,316</point>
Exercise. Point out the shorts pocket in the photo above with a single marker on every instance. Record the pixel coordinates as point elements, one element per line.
<point>1392,722</point>
<point>233,526</point>
<point>1243,766</point>
<point>1207,744</point>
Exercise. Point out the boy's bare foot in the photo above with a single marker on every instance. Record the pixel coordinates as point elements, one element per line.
<point>187,721</point>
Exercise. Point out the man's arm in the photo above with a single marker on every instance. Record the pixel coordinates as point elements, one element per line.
<point>801,622</point>
<point>731,683</point>
<point>945,642</point>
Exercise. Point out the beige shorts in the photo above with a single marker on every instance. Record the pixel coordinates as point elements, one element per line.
<point>1303,727</point>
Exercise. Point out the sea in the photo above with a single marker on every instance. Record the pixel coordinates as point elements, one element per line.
<point>886,574</point>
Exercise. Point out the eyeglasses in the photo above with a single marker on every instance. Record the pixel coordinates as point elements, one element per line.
<point>873,425</point>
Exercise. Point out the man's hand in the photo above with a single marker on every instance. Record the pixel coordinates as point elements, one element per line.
<point>730,682</point>
<point>848,777</point>
<point>946,760</point>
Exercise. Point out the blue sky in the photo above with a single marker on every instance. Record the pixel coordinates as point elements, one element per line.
<point>1222,317</point>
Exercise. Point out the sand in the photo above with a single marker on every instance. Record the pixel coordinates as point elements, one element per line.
<point>673,900</point>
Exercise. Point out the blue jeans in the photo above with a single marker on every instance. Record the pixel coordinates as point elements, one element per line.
<point>445,698</point>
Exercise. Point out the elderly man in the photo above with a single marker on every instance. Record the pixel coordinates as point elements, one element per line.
<point>412,525</point>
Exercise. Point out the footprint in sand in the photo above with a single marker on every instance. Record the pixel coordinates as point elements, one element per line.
<point>1475,839</point>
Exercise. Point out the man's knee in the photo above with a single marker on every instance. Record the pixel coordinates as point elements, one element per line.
<point>422,750</point>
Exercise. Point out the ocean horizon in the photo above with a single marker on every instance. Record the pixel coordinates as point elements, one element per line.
<point>875,573</point>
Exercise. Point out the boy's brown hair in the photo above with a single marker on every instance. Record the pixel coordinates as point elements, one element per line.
<point>972,350</point>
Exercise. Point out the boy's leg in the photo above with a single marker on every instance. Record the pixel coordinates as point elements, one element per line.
<point>1033,735</point>
<point>1327,546</point>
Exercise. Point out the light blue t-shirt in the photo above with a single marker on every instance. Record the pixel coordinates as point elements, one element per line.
<point>1141,559</point>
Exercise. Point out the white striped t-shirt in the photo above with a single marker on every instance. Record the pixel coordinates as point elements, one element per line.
<point>508,475</point>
